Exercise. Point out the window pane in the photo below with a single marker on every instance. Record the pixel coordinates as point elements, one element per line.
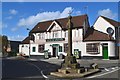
<point>66,47</point>
<point>41,48</point>
<point>60,48</point>
<point>33,49</point>
<point>92,48</point>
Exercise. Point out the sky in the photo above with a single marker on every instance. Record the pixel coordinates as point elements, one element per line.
<point>18,16</point>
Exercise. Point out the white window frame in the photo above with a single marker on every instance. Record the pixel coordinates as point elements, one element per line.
<point>93,50</point>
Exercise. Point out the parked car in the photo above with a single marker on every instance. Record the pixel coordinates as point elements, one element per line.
<point>61,55</point>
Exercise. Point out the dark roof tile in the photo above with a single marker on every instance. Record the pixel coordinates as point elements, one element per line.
<point>26,40</point>
<point>77,23</point>
<point>111,21</point>
<point>94,35</point>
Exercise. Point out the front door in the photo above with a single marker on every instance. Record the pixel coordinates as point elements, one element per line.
<point>54,51</point>
<point>105,52</point>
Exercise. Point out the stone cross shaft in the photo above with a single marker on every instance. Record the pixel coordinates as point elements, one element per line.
<point>70,25</point>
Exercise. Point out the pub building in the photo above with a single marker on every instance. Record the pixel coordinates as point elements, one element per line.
<point>87,42</point>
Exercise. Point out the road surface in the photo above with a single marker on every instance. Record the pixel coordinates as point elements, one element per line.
<point>40,69</point>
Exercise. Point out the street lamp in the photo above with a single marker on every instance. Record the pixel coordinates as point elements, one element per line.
<point>29,41</point>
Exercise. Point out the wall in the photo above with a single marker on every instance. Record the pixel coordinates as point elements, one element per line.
<point>24,49</point>
<point>111,48</point>
<point>36,51</point>
<point>77,34</point>
<point>102,25</point>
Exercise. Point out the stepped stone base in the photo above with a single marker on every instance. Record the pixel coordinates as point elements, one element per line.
<point>64,73</point>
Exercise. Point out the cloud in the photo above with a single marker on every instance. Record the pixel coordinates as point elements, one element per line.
<point>13,11</point>
<point>78,12</point>
<point>65,12</point>
<point>14,29</point>
<point>107,13</point>
<point>16,38</point>
<point>9,17</point>
<point>3,25</point>
<point>43,16</point>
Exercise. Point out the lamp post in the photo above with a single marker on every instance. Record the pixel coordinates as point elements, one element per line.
<point>118,42</point>
<point>29,40</point>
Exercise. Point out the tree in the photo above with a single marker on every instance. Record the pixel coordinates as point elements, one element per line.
<point>4,45</point>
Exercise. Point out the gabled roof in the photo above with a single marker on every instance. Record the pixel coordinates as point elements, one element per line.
<point>26,40</point>
<point>77,23</point>
<point>94,35</point>
<point>111,21</point>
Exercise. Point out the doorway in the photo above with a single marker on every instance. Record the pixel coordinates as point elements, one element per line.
<point>54,51</point>
<point>105,51</point>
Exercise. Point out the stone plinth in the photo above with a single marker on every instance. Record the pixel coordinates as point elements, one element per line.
<point>64,73</point>
<point>70,62</point>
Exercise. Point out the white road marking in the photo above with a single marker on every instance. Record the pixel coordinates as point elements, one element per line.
<point>103,73</point>
<point>106,69</point>
<point>38,69</point>
<point>116,67</point>
<point>43,75</point>
<point>113,68</point>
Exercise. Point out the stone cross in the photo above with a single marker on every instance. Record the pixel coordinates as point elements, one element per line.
<point>70,25</point>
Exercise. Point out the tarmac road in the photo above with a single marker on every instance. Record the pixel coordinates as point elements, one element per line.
<point>40,69</point>
<point>12,69</point>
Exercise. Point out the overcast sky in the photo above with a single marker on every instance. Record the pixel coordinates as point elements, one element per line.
<point>17,16</point>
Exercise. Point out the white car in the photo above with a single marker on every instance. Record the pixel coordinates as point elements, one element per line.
<point>61,55</point>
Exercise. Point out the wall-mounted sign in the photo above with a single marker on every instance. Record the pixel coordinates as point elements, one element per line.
<point>55,39</point>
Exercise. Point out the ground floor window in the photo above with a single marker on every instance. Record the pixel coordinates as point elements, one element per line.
<point>60,48</point>
<point>92,48</point>
<point>66,47</point>
<point>33,49</point>
<point>41,48</point>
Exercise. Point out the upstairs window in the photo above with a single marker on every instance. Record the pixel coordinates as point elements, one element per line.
<point>66,34</point>
<point>41,36</point>
<point>55,34</point>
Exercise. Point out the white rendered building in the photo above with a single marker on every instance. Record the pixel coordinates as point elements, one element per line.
<point>52,36</point>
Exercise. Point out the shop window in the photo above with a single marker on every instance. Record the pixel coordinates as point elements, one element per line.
<point>92,48</point>
<point>33,49</point>
<point>60,48</point>
<point>66,47</point>
<point>41,48</point>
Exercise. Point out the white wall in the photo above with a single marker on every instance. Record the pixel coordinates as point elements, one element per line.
<point>102,25</point>
<point>36,51</point>
<point>111,48</point>
<point>81,46</point>
<point>24,49</point>
<point>77,34</point>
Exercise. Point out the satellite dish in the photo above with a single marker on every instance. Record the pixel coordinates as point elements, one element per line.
<point>110,31</point>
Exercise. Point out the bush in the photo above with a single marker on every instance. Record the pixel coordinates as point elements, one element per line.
<point>12,54</point>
